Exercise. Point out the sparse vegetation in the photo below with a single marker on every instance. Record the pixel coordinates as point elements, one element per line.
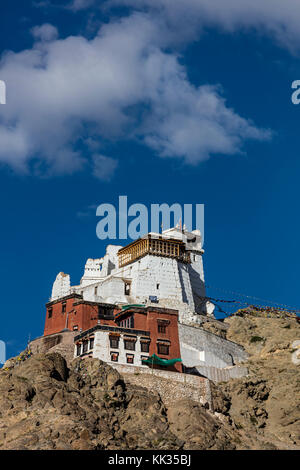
<point>256,339</point>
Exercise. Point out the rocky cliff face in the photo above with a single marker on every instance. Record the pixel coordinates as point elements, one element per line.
<point>44,404</point>
<point>266,404</point>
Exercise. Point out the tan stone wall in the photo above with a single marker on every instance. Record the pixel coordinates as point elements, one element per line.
<point>171,386</point>
<point>62,343</point>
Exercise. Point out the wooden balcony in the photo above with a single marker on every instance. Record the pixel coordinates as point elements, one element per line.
<point>153,246</point>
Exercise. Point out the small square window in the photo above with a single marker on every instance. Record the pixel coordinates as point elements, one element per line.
<point>163,349</point>
<point>75,327</point>
<point>130,358</point>
<point>114,356</point>
<point>130,345</point>
<point>91,343</point>
<point>50,311</point>
<point>145,346</point>
<point>162,328</point>
<point>114,342</point>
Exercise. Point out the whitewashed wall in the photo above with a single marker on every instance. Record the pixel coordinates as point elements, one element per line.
<point>172,282</point>
<point>102,349</point>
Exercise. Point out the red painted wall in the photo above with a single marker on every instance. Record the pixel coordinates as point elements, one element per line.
<point>146,319</point>
<point>84,315</point>
<point>77,313</point>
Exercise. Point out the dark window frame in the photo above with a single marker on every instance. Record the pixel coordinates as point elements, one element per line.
<point>128,342</point>
<point>127,288</point>
<point>161,328</point>
<point>163,349</point>
<point>85,346</point>
<point>114,342</point>
<point>130,358</point>
<point>116,354</point>
<point>145,346</point>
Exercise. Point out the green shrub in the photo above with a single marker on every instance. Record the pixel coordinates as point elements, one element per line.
<point>256,339</point>
<point>253,420</point>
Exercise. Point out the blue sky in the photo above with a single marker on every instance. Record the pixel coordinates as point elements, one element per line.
<point>160,101</point>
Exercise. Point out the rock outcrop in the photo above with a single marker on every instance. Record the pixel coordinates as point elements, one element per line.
<point>46,403</point>
<point>265,405</point>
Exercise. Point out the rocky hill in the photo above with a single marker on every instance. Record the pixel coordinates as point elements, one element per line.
<point>266,404</point>
<point>44,404</point>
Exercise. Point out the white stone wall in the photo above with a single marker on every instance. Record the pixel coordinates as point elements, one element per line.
<point>218,352</point>
<point>169,280</point>
<point>97,269</point>
<point>193,357</point>
<point>102,349</point>
<point>61,286</point>
<point>175,284</point>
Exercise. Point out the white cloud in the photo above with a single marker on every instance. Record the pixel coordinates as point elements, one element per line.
<point>87,212</point>
<point>77,5</point>
<point>278,18</point>
<point>103,167</point>
<point>197,124</point>
<point>46,32</point>
<point>120,84</point>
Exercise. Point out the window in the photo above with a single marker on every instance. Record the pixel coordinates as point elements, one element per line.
<point>130,345</point>
<point>78,349</point>
<point>63,308</point>
<point>162,328</point>
<point>91,343</point>
<point>75,327</point>
<point>144,358</point>
<point>96,290</point>
<point>85,346</point>
<point>127,323</point>
<point>163,349</point>
<point>114,357</point>
<point>157,286</point>
<point>127,288</point>
<point>145,346</point>
<point>114,342</point>
<point>50,312</point>
<point>100,311</point>
<point>130,358</point>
